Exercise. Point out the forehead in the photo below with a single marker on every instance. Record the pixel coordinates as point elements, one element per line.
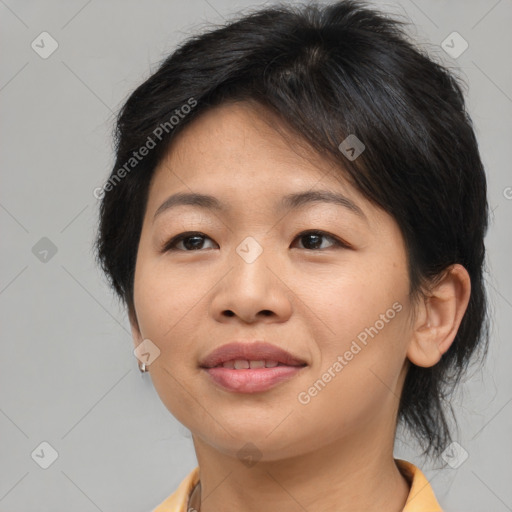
<point>234,153</point>
<point>242,146</point>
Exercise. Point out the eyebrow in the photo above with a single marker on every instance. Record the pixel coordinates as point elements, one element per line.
<point>288,202</point>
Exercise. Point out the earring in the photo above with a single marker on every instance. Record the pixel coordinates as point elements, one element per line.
<point>143,368</point>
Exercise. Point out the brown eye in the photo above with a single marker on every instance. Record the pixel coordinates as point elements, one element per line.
<point>191,241</point>
<point>313,240</point>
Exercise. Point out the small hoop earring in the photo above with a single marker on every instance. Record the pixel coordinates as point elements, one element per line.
<point>143,368</point>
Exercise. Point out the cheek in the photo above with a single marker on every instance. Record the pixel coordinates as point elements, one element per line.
<point>163,300</point>
<point>163,303</point>
<point>357,383</point>
<point>355,301</point>
<point>165,309</point>
<point>362,334</point>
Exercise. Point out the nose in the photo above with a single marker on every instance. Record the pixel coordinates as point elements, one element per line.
<point>253,291</point>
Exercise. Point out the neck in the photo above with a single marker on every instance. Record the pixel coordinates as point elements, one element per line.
<point>337,477</point>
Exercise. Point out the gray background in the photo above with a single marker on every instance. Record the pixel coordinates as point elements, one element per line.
<point>68,374</point>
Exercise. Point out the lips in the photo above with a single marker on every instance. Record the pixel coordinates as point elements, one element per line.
<point>251,367</point>
<point>245,355</point>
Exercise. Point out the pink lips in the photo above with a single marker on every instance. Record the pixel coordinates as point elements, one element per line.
<point>251,380</point>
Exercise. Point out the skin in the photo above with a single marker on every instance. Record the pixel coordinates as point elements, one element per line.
<point>335,452</point>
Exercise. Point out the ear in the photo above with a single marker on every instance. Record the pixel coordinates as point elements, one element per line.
<point>439,316</point>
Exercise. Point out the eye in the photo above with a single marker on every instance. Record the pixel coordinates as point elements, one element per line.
<point>192,241</point>
<point>313,240</point>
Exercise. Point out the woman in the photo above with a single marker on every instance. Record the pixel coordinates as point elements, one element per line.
<point>296,224</point>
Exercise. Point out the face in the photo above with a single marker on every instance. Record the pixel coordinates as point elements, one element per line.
<point>322,280</point>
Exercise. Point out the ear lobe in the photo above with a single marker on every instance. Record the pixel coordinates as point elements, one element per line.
<point>440,317</point>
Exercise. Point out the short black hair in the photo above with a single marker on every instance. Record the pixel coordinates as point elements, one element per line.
<point>329,72</point>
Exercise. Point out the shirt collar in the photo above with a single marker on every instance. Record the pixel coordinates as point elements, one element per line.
<point>421,495</point>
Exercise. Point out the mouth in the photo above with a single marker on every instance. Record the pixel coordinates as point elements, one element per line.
<point>250,367</point>
<point>244,364</point>
<point>256,354</point>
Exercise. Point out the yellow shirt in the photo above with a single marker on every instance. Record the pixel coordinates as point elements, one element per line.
<point>421,496</point>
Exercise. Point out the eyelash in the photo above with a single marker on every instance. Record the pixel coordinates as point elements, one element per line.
<point>171,244</point>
